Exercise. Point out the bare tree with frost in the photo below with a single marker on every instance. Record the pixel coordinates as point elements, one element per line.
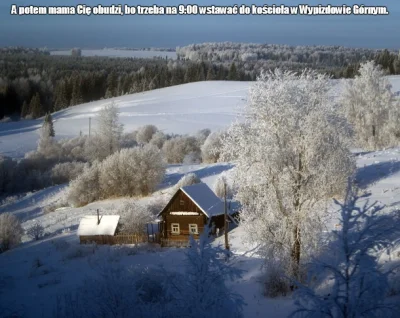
<point>109,131</point>
<point>291,154</point>
<point>347,280</point>
<point>47,146</point>
<point>371,108</point>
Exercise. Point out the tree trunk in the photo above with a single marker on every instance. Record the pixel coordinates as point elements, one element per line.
<point>295,254</point>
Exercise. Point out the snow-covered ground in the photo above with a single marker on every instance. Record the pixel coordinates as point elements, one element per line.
<point>65,263</point>
<point>119,53</point>
<point>181,109</point>
<point>34,273</point>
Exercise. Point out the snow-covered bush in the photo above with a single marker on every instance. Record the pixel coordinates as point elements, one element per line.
<point>128,172</point>
<point>73,149</point>
<point>348,280</point>
<point>85,188</point>
<point>175,149</point>
<point>192,158</point>
<point>36,231</point>
<point>119,292</point>
<point>203,291</point>
<point>79,251</point>
<point>67,171</point>
<point>10,231</point>
<point>274,280</point>
<point>187,180</point>
<point>132,172</point>
<point>211,148</point>
<point>128,141</point>
<point>202,135</point>
<point>158,139</point>
<point>291,154</point>
<point>371,108</point>
<point>200,291</point>
<point>134,216</point>
<point>145,134</point>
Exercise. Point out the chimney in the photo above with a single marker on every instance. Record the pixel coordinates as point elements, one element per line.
<point>98,217</point>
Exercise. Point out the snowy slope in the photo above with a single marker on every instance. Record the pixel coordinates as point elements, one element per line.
<point>65,263</point>
<point>179,109</point>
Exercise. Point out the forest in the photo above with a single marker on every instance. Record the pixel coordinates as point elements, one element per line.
<point>33,83</point>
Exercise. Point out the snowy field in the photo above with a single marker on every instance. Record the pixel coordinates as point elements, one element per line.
<point>120,53</point>
<point>33,289</point>
<point>181,109</point>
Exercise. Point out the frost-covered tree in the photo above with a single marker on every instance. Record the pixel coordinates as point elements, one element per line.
<point>211,148</point>
<point>48,120</point>
<point>36,231</point>
<point>85,188</point>
<point>202,135</point>
<point>47,146</point>
<point>145,134</point>
<point>66,171</point>
<point>109,130</point>
<point>291,154</point>
<point>10,231</point>
<point>348,281</point>
<point>187,180</point>
<point>132,172</point>
<point>135,216</point>
<point>369,106</point>
<point>158,139</point>
<point>220,185</point>
<point>175,149</point>
<point>128,172</point>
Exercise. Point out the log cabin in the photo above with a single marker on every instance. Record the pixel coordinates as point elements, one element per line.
<point>189,211</point>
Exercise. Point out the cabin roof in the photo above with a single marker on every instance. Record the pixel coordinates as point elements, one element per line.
<point>108,224</point>
<point>204,198</point>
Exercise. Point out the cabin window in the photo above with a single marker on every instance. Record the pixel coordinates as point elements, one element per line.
<point>193,229</point>
<point>175,228</point>
<point>181,202</point>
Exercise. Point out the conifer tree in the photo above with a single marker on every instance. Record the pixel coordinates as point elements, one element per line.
<point>35,106</point>
<point>25,109</point>
<point>49,121</point>
<point>232,75</point>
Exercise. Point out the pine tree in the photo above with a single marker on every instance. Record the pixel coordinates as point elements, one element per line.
<point>210,74</point>
<point>35,106</point>
<point>233,75</point>
<point>49,121</point>
<point>25,109</point>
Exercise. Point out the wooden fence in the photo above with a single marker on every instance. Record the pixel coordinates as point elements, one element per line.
<point>116,239</point>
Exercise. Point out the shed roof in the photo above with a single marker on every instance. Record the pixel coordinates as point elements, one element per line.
<point>108,224</point>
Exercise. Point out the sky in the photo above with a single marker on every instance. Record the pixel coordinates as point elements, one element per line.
<point>171,31</point>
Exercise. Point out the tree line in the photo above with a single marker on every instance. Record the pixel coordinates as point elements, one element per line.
<point>33,84</point>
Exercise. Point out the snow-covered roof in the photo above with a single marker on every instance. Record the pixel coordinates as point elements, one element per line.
<point>88,225</point>
<point>205,199</point>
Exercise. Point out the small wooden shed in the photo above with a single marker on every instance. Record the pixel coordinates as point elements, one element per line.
<point>98,228</point>
<point>190,209</point>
